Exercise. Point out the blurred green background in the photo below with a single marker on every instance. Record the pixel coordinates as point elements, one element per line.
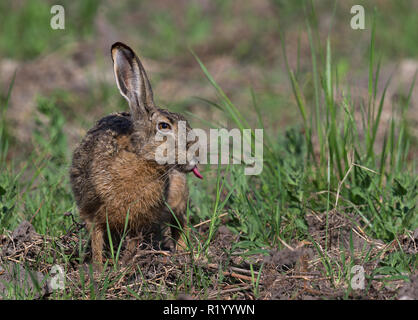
<point>336,141</point>
<point>238,41</point>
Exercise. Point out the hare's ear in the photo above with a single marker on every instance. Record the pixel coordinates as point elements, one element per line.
<point>132,80</point>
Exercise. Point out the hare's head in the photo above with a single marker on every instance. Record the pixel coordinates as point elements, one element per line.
<point>159,135</point>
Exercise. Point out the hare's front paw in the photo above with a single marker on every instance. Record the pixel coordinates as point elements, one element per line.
<point>169,244</point>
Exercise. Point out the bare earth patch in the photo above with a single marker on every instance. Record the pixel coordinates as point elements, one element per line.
<point>295,271</point>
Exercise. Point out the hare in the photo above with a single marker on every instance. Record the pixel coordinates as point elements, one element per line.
<point>114,172</point>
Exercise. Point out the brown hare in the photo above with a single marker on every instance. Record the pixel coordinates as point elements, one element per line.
<point>114,170</point>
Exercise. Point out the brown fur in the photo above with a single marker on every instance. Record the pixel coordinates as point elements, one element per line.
<point>113,171</point>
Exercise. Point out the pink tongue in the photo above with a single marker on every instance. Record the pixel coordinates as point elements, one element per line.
<point>197,173</point>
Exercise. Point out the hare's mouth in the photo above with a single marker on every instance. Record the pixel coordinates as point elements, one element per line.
<point>196,172</point>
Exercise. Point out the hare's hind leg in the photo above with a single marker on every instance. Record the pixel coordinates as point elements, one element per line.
<point>97,241</point>
<point>177,200</point>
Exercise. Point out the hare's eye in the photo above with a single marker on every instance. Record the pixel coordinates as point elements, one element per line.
<point>164,126</point>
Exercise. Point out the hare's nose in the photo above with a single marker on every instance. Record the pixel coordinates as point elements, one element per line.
<point>194,161</point>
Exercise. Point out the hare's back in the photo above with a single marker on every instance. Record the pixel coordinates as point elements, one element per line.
<point>98,146</point>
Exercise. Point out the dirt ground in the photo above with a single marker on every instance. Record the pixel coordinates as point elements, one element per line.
<point>293,272</point>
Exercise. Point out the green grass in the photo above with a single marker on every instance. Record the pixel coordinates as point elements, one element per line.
<point>38,189</point>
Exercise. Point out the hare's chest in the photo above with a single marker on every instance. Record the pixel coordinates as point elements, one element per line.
<point>128,184</point>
